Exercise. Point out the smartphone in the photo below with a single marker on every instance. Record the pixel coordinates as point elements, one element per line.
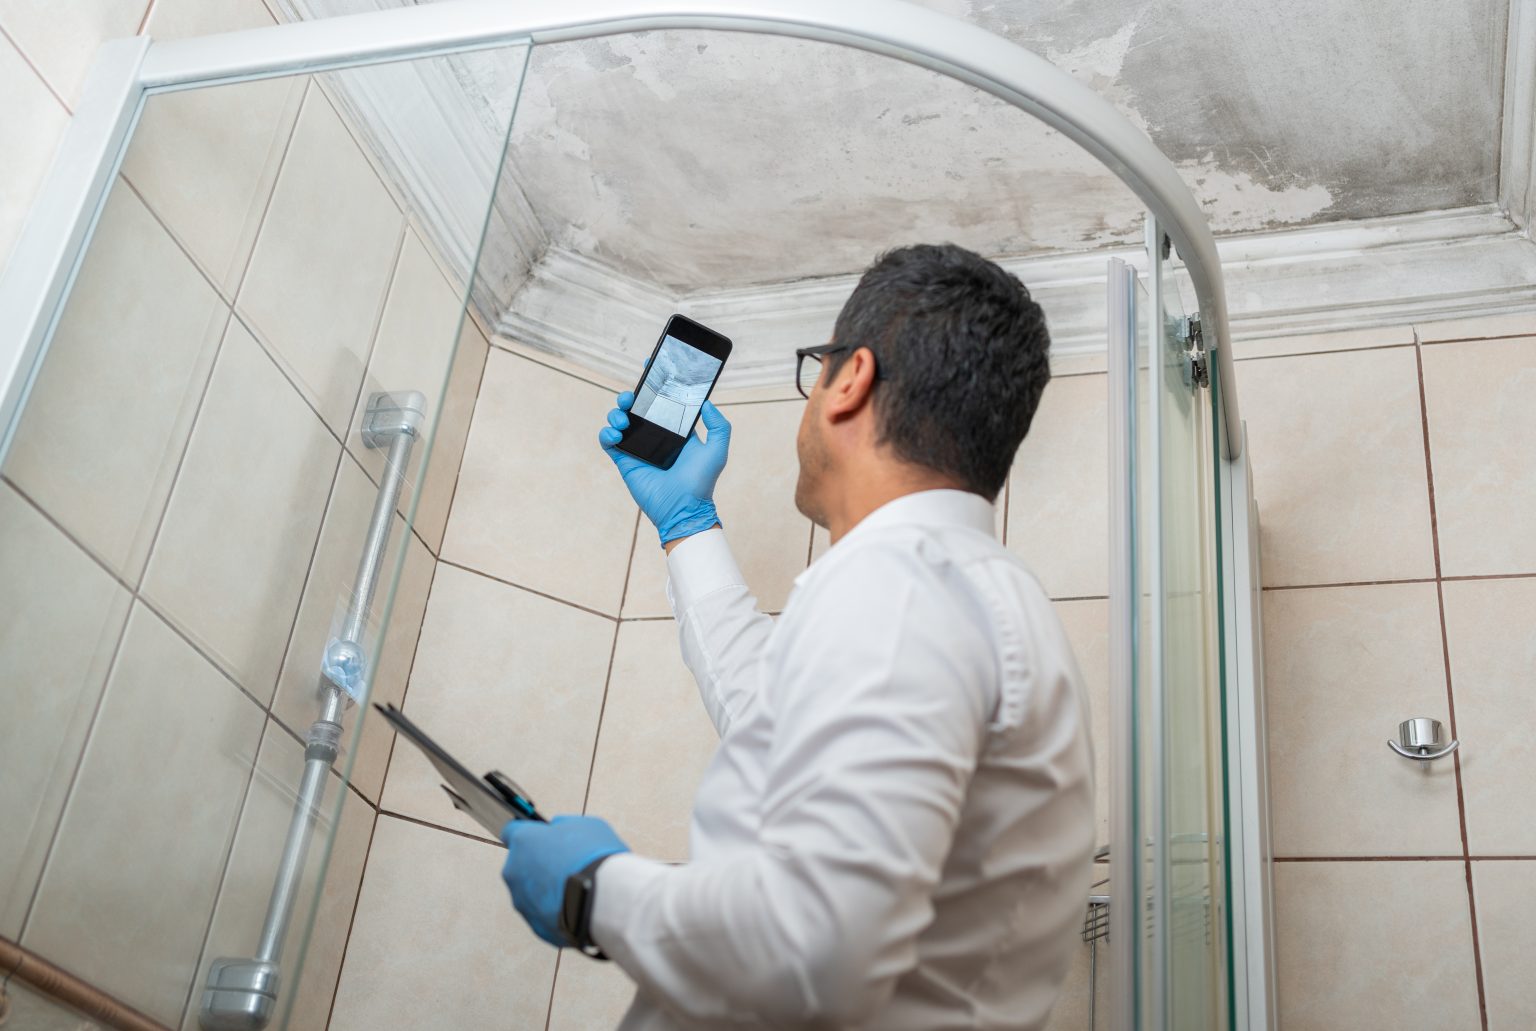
<point>682,371</point>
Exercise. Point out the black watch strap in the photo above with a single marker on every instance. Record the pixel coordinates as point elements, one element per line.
<point>576,909</point>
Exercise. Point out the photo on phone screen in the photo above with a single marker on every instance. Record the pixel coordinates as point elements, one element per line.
<point>682,371</point>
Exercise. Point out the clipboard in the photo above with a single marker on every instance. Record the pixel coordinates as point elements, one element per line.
<point>490,801</point>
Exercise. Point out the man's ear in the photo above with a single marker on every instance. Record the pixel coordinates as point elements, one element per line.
<point>851,389</point>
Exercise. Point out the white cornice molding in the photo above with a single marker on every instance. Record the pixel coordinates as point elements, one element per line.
<point>1517,147</point>
<point>1388,271</point>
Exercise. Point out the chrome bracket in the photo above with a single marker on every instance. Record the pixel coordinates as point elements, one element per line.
<point>389,415</point>
<point>1197,361</point>
<point>1421,739</point>
<point>241,995</point>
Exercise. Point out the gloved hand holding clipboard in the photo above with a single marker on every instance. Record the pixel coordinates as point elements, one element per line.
<point>490,800</point>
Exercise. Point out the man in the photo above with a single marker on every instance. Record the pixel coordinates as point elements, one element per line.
<point>895,831</point>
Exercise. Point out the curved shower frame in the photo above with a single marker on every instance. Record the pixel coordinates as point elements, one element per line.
<point>52,244</point>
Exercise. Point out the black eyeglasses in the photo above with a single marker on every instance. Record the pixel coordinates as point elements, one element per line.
<point>816,354</point>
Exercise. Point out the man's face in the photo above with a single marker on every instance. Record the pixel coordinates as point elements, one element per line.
<point>811,449</point>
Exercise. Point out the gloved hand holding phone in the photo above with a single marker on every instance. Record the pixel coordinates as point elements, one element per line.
<point>679,501</point>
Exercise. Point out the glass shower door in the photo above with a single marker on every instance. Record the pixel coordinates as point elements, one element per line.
<point>1171,954</point>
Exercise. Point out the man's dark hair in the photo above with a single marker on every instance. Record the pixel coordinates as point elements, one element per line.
<point>962,353</point>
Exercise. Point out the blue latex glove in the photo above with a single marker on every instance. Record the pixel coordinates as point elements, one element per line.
<point>540,856</point>
<point>679,501</point>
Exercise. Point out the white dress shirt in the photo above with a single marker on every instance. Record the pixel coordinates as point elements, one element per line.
<point>896,829</point>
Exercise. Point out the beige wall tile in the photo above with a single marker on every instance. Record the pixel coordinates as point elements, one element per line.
<point>1337,446</point>
<point>228,567</point>
<point>60,619</point>
<point>756,502</point>
<point>1506,931</point>
<point>436,943</point>
<point>127,365</point>
<point>206,159</point>
<point>1343,667</point>
<point>36,1012</point>
<point>1087,626</point>
<point>30,132</point>
<point>653,709</point>
<point>573,368</point>
<point>589,995</point>
<point>1376,945</point>
<point>144,838</point>
<point>1492,642</point>
<point>538,503</point>
<point>442,476</point>
<point>61,39</point>
<point>1477,328</point>
<point>328,591</point>
<point>506,680</point>
<point>1058,508</point>
<point>247,886</point>
<point>1316,343</point>
<point>1482,436</point>
<point>322,261</point>
<point>413,349</point>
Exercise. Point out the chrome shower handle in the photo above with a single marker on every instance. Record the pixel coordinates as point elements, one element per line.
<point>1420,738</point>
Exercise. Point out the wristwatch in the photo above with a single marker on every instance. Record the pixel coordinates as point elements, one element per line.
<point>576,909</point>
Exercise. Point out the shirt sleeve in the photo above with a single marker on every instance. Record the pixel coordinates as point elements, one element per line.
<point>722,632</point>
<point>879,719</point>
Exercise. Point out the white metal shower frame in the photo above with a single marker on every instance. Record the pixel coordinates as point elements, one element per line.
<point>52,244</point>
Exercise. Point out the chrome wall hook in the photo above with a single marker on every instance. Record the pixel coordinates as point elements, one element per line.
<point>1420,739</point>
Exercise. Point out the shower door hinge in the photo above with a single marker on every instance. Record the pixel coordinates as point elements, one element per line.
<point>1197,369</point>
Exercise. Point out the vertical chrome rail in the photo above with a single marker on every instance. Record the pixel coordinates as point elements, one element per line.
<point>241,994</point>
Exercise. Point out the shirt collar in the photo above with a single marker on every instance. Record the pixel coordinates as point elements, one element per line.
<point>932,508</point>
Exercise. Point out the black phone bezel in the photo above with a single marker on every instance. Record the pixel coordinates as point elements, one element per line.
<point>654,444</point>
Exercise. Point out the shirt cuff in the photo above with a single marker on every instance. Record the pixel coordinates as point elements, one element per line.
<point>621,880</point>
<point>700,566</point>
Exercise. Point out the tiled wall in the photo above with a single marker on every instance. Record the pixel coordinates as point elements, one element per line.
<point>549,651</point>
<point>1394,476</point>
<point>183,509</point>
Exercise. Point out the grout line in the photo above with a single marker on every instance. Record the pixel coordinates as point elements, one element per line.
<point>357,897</point>
<point>493,338</point>
<point>549,1008</point>
<point>1331,350</point>
<point>418,821</point>
<point>628,569</point>
<point>602,707</point>
<point>229,855</point>
<point>355,412</point>
<point>469,426</point>
<point>1476,340</point>
<point>1487,576</point>
<point>1369,859</point>
<point>148,10</point>
<point>530,590</point>
<point>1450,693</point>
<point>27,59</point>
<point>389,758</point>
<point>1354,583</point>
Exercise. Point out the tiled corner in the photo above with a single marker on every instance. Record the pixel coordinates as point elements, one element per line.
<point>588,994</point>
<point>1482,435</point>
<point>114,401</point>
<point>1337,446</point>
<point>538,502</point>
<point>228,566</point>
<point>322,262</point>
<point>436,943</point>
<point>756,502</point>
<point>252,868</point>
<point>29,134</point>
<point>60,619</point>
<point>1087,627</point>
<point>1344,666</point>
<point>414,347</point>
<point>1506,932</point>
<point>1383,944</point>
<point>442,475</point>
<point>62,39</point>
<point>1320,343</point>
<point>147,829</point>
<point>1492,640</point>
<point>328,590</point>
<point>653,709</point>
<point>506,680</point>
<point>1058,506</point>
<point>206,159</point>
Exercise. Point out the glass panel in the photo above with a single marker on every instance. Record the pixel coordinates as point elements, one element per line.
<point>1187,764</point>
<point>187,502</point>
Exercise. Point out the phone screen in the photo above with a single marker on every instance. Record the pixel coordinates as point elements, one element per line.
<point>675,386</point>
<point>683,369</point>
